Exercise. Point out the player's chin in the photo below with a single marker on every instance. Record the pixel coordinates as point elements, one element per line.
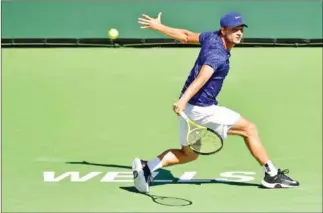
<point>237,41</point>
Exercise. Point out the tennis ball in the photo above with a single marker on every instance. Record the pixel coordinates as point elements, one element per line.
<point>113,33</point>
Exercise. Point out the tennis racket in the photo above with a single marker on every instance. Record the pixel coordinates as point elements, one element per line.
<point>161,200</point>
<point>169,201</point>
<point>202,140</point>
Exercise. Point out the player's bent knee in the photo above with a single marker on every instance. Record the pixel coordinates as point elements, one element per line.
<point>244,128</point>
<point>250,129</point>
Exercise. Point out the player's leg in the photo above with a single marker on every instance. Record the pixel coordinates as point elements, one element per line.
<point>274,178</point>
<point>249,132</point>
<point>142,169</point>
<point>175,156</point>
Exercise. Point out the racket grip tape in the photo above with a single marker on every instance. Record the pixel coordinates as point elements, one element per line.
<point>184,115</point>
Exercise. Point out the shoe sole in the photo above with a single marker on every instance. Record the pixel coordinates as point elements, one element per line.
<point>139,177</point>
<point>276,185</point>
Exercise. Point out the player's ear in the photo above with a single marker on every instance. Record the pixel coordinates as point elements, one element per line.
<point>222,31</point>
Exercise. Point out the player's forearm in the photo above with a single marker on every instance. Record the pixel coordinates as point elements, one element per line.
<point>204,75</point>
<point>194,87</point>
<point>175,33</point>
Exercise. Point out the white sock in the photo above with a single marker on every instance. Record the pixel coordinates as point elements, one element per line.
<point>154,164</point>
<point>270,168</point>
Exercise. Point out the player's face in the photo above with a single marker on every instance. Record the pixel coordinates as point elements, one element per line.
<point>233,35</point>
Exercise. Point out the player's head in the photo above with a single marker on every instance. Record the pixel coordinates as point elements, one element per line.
<point>232,27</point>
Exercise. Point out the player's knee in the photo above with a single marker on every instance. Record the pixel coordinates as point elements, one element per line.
<point>250,129</point>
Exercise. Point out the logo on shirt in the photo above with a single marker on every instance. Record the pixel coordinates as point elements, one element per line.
<point>219,77</point>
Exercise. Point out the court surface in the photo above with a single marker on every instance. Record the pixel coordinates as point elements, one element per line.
<point>74,119</point>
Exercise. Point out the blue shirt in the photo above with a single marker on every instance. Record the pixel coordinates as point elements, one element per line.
<point>214,54</point>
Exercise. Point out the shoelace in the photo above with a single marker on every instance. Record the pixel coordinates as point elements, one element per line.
<point>282,173</point>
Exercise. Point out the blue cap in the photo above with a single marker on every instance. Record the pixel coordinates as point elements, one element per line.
<point>232,19</point>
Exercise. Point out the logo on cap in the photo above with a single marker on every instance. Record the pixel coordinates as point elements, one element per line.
<point>232,19</point>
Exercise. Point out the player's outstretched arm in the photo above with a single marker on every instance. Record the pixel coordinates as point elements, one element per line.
<point>182,35</point>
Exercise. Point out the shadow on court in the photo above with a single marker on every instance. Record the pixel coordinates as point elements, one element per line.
<point>164,174</point>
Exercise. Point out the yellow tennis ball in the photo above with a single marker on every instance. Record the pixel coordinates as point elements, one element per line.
<point>113,33</point>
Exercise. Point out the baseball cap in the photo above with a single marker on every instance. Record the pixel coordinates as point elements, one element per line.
<point>232,19</point>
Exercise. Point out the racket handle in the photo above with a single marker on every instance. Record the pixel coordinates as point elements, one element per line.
<point>184,115</point>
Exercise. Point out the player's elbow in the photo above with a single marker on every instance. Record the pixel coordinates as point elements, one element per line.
<point>183,39</point>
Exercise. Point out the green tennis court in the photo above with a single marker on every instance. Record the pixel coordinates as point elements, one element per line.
<point>74,119</point>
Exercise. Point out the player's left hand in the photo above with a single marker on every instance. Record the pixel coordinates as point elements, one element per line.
<point>148,22</point>
<point>179,106</point>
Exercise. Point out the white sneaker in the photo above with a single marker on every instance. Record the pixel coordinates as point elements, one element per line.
<point>141,180</point>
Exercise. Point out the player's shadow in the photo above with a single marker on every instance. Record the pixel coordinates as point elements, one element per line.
<point>164,174</point>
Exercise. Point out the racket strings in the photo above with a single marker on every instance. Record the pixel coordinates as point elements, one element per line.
<point>202,139</point>
<point>196,134</point>
<point>208,142</point>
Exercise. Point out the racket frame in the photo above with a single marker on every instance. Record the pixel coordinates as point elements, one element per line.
<point>185,117</point>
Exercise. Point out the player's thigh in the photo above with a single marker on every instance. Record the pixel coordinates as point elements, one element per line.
<point>182,131</point>
<point>196,114</point>
<point>221,119</point>
<point>242,127</point>
<point>182,138</point>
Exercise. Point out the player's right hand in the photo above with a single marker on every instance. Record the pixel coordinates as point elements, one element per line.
<point>179,106</point>
<point>148,22</point>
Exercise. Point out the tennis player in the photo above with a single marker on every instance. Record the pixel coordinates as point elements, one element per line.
<point>198,101</point>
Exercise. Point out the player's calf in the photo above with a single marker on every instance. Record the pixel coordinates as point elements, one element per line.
<point>177,156</point>
<point>274,178</point>
<point>142,169</point>
<point>249,132</point>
